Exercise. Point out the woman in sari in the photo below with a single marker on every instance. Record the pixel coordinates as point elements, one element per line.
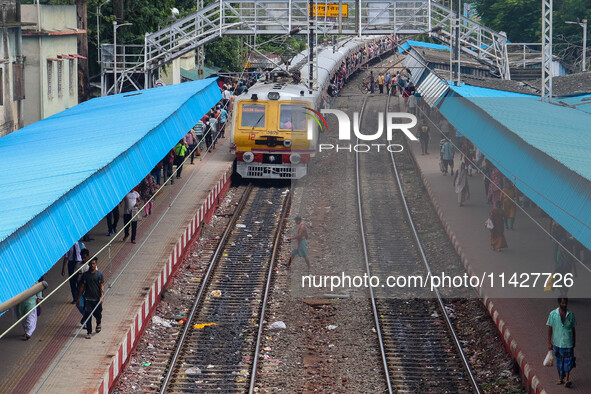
<point>461,184</point>
<point>497,237</point>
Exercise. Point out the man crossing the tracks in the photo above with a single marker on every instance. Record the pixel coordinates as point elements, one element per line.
<point>300,243</point>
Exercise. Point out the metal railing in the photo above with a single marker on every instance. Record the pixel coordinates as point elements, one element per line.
<point>249,17</point>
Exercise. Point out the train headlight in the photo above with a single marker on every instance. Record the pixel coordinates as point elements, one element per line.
<point>295,158</point>
<point>272,159</point>
<point>248,157</point>
<point>287,143</point>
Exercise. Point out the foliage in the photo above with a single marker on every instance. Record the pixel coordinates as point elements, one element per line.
<point>224,53</point>
<point>522,21</point>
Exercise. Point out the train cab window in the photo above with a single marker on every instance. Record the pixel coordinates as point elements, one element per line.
<point>292,117</point>
<point>253,115</point>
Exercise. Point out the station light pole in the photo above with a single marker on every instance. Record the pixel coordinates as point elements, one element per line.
<point>115,27</point>
<point>98,29</point>
<point>583,24</point>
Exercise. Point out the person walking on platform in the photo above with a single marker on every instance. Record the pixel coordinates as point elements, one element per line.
<point>180,151</point>
<point>372,83</point>
<point>85,253</point>
<point>30,322</point>
<point>71,259</point>
<point>300,243</point>
<point>497,233</point>
<point>213,128</point>
<point>461,184</point>
<point>147,189</point>
<point>167,162</point>
<point>131,200</point>
<point>191,143</point>
<point>157,172</point>
<point>223,120</point>
<point>509,208</point>
<point>113,220</point>
<point>424,138</point>
<point>562,339</point>
<point>495,186</point>
<point>447,155</point>
<point>92,286</point>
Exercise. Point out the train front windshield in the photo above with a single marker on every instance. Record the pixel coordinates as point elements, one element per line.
<point>253,115</point>
<point>292,117</point>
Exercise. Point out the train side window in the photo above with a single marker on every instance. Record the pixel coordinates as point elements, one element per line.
<point>253,115</point>
<point>292,117</point>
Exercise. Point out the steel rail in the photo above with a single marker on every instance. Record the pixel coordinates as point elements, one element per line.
<point>428,267</point>
<point>366,256</point>
<point>204,282</point>
<point>284,212</point>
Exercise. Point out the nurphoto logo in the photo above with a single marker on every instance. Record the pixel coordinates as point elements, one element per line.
<point>344,123</point>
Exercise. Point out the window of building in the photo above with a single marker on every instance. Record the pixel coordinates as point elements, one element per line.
<point>71,76</point>
<point>59,79</point>
<point>50,79</point>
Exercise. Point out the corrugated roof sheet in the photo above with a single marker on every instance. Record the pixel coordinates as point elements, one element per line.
<point>62,175</point>
<point>547,127</point>
<point>432,89</point>
<point>421,44</point>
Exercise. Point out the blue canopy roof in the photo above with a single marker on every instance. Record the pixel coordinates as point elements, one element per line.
<point>62,175</point>
<point>544,149</point>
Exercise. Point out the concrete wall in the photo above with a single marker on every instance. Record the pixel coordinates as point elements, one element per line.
<point>10,48</point>
<point>171,73</point>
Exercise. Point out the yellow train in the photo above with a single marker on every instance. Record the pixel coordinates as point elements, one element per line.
<point>275,124</point>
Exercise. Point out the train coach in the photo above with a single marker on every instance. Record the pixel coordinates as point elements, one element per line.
<point>273,130</point>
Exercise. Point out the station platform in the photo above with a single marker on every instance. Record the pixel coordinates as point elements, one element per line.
<point>58,358</point>
<point>521,321</point>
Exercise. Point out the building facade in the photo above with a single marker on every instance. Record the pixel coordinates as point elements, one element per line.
<point>51,67</point>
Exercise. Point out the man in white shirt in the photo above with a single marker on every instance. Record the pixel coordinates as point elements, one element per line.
<point>130,200</point>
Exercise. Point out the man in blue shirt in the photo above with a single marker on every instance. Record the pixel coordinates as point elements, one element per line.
<point>562,338</point>
<point>447,155</point>
<point>223,119</point>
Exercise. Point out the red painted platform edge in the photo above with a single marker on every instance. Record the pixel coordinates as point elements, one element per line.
<point>530,380</point>
<point>144,313</point>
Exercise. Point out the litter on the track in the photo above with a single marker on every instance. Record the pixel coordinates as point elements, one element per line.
<point>202,325</point>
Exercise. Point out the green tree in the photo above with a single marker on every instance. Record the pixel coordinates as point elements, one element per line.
<point>522,21</point>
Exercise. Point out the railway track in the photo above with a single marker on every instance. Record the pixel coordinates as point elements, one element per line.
<point>420,350</point>
<point>218,348</point>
